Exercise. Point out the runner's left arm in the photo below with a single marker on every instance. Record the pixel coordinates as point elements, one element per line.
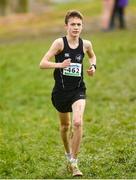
<point>91,57</point>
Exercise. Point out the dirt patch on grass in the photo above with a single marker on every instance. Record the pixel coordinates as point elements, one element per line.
<point>33,25</point>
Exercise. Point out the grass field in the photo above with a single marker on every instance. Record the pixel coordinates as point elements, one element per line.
<point>30,144</point>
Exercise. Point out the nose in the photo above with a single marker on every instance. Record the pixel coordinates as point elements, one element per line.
<point>76,26</point>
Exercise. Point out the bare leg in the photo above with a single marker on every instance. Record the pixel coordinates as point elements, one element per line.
<point>107,11</point>
<point>64,127</point>
<point>78,111</point>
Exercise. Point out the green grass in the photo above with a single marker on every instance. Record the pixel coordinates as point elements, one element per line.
<point>30,142</point>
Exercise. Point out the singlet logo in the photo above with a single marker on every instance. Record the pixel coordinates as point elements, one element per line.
<point>78,57</point>
<point>66,55</point>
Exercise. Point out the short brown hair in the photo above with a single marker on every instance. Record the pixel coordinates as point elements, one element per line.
<point>73,13</point>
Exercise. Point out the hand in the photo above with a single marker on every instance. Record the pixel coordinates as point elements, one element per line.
<point>91,71</point>
<point>66,63</point>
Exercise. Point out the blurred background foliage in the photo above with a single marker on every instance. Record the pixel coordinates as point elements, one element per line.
<point>26,18</point>
<point>19,6</point>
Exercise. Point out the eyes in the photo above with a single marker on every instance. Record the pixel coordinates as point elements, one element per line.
<point>76,24</point>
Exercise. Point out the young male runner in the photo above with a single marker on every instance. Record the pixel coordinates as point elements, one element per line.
<point>69,92</point>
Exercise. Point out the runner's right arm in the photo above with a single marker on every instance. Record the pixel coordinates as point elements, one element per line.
<point>55,48</point>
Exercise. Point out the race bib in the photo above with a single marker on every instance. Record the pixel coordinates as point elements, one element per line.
<point>73,70</point>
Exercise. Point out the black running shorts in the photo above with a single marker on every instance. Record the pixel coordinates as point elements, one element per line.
<point>63,100</point>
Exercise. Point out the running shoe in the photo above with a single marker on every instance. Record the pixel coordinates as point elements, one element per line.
<point>73,167</point>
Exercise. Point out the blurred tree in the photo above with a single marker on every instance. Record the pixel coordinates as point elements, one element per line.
<point>23,6</point>
<point>3,7</point>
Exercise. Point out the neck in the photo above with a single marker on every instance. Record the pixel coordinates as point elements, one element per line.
<point>73,41</point>
<point>72,38</point>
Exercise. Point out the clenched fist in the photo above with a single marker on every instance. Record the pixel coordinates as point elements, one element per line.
<point>66,63</point>
<point>91,71</point>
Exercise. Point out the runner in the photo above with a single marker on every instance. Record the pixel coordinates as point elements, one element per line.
<point>69,92</point>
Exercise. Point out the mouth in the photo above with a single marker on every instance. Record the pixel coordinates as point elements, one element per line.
<point>75,32</point>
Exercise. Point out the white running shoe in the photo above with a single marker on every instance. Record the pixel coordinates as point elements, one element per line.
<point>73,167</point>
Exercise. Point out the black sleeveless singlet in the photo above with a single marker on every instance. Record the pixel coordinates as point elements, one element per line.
<point>63,81</point>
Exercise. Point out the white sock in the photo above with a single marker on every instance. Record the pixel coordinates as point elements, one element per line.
<point>73,160</point>
<point>68,156</point>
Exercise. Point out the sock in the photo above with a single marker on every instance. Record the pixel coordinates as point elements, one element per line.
<point>68,156</point>
<point>74,161</point>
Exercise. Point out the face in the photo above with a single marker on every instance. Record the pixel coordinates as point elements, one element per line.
<point>74,26</point>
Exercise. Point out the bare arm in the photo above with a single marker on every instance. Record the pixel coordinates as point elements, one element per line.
<point>91,57</point>
<point>55,48</point>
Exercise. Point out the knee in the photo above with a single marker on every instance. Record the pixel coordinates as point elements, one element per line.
<point>65,127</point>
<point>77,123</point>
